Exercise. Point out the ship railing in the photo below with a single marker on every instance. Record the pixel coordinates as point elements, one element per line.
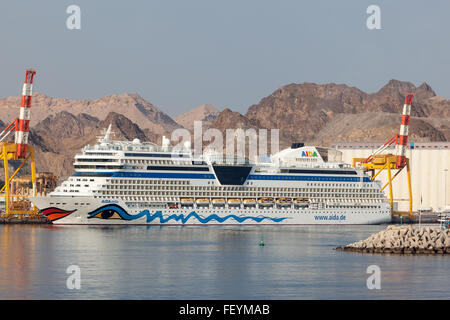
<point>228,160</point>
<point>304,165</point>
<point>129,146</point>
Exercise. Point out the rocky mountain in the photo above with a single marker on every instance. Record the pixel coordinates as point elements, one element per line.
<point>59,137</point>
<point>307,112</point>
<point>206,113</point>
<point>228,119</point>
<point>320,114</point>
<point>137,109</point>
<point>61,127</point>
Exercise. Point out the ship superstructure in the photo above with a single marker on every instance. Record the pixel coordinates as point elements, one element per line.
<point>134,182</point>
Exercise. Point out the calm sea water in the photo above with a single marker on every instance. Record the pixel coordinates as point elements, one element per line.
<point>139,262</point>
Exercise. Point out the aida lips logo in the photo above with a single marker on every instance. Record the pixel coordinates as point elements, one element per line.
<point>309,154</point>
<point>54,214</point>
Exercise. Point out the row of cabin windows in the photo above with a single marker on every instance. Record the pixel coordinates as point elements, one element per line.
<point>246,194</point>
<point>224,188</point>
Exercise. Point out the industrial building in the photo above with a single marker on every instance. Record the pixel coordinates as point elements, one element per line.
<point>45,183</point>
<point>430,176</point>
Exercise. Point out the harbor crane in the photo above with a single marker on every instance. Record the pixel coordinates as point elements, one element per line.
<point>19,151</point>
<point>378,162</point>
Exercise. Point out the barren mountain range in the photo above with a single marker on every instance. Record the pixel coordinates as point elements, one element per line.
<point>307,112</point>
<point>138,110</point>
<point>206,113</point>
<point>321,114</point>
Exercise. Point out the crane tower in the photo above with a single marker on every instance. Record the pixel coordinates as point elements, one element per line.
<point>23,122</point>
<point>19,150</point>
<point>379,162</point>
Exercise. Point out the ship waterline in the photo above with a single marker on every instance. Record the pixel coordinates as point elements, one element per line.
<point>129,182</point>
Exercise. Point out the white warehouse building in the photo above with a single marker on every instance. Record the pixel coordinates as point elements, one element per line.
<point>430,172</point>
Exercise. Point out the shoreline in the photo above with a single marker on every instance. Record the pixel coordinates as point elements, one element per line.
<point>25,220</point>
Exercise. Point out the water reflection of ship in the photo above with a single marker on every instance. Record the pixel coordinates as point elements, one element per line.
<point>17,255</point>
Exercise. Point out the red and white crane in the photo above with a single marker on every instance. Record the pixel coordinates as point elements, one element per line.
<point>401,139</point>
<point>378,162</point>
<point>404,128</point>
<point>21,125</point>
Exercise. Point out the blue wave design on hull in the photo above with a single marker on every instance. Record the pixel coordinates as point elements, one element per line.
<point>176,217</point>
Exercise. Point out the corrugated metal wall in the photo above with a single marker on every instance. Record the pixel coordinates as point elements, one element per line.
<point>429,179</point>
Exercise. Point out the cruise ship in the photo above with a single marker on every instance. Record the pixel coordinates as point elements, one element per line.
<point>134,182</point>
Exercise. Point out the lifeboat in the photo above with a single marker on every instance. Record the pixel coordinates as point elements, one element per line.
<point>186,201</point>
<point>284,202</point>
<point>301,202</point>
<point>265,202</point>
<point>218,202</point>
<point>202,202</point>
<point>249,202</point>
<point>234,202</point>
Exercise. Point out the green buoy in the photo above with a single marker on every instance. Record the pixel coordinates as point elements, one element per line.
<point>261,242</point>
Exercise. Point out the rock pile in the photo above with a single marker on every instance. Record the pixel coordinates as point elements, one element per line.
<point>404,240</point>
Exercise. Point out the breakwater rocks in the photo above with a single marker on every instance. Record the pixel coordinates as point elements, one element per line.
<point>404,240</point>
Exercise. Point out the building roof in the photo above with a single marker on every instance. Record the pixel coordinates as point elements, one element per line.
<point>376,145</point>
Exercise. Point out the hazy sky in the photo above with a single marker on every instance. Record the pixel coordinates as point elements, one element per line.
<point>179,54</point>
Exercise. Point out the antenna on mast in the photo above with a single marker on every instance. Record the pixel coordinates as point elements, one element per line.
<point>107,134</point>
<point>105,138</point>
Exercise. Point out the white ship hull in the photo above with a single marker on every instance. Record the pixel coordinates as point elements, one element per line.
<point>123,182</point>
<point>87,210</point>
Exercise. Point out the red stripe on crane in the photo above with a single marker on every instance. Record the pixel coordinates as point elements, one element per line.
<point>405,119</point>
<point>26,102</point>
<point>408,98</point>
<point>21,150</point>
<point>23,125</point>
<point>403,140</point>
